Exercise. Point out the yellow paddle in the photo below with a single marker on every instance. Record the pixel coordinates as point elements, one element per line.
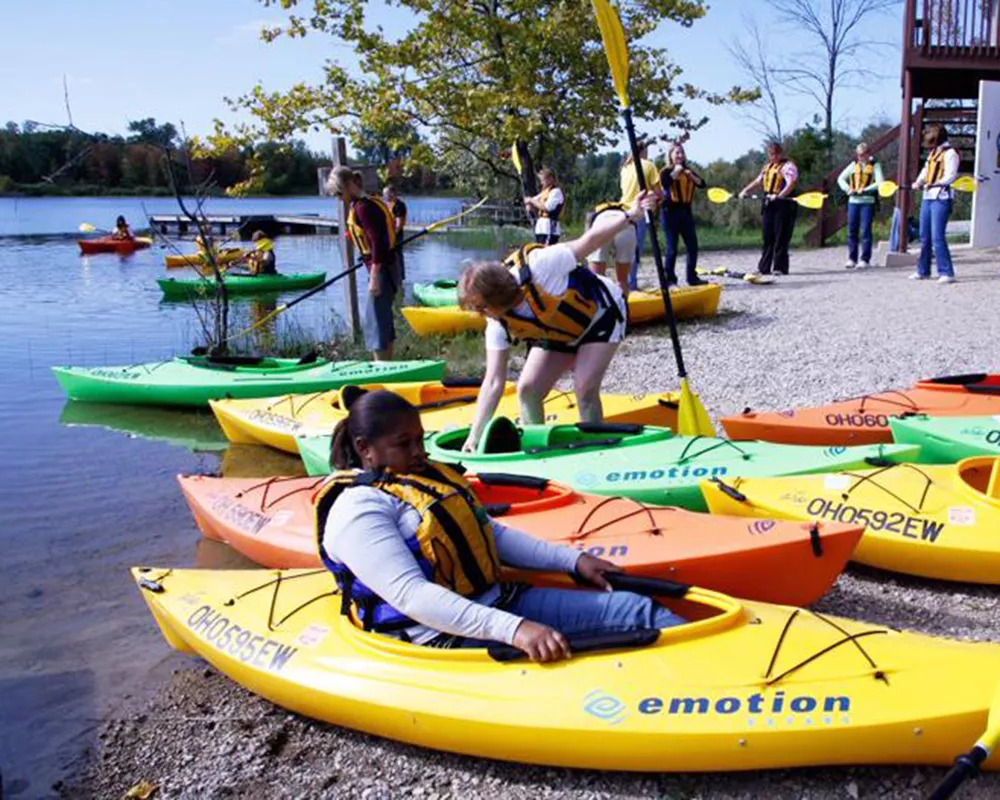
<point>812,200</point>
<point>963,183</point>
<point>967,764</point>
<point>86,227</point>
<point>692,419</point>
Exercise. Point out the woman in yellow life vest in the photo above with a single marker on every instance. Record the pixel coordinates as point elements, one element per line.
<point>629,184</point>
<point>936,178</point>
<point>261,260</point>
<point>860,181</point>
<point>777,179</point>
<point>620,250</point>
<point>679,183</point>
<point>418,557</point>
<point>574,319</point>
<point>548,205</point>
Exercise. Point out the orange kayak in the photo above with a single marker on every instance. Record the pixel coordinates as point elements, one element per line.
<point>793,563</point>
<point>865,420</point>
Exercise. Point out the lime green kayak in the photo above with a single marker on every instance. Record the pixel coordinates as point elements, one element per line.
<point>438,294</point>
<point>194,380</point>
<point>645,463</point>
<point>182,289</point>
<point>946,440</point>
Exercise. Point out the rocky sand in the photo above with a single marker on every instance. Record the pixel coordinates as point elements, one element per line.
<point>819,334</point>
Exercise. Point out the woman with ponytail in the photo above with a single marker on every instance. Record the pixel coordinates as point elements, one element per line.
<point>417,556</point>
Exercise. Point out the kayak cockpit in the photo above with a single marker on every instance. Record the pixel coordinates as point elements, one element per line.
<point>981,475</point>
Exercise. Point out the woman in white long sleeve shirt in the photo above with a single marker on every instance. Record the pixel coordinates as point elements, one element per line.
<point>416,556</point>
<point>935,179</point>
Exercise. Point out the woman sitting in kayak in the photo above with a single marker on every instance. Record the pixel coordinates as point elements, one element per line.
<point>575,318</point>
<point>261,260</point>
<point>122,231</point>
<point>417,557</point>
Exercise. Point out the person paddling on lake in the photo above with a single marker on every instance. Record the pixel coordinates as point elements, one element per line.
<point>573,319</point>
<point>779,210</point>
<point>372,228</point>
<point>398,208</point>
<point>122,231</point>
<point>548,205</point>
<point>261,260</point>
<point>629,184</point>
<point>679,182</point>
<point>860,181</point>
<point>417,557</point>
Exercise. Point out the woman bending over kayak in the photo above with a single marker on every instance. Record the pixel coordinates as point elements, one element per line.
<point>574,319</point>
<point>417,557</point>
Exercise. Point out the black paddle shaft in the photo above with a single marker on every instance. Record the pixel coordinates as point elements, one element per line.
<point>657,253</point>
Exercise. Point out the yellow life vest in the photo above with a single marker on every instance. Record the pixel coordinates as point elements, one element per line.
<point>263,245</point>
<point>863,175</point>
<point>557,318</point>
<point>682,189</point>
<point>543,198</point>
<point>774,179</point>
<point>453,544</point>
<point>935,165</point>
<point>357,232</point>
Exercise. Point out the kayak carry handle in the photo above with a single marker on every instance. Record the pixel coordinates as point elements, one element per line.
<point>959,380</point>
<point>648,587</point>
<point>534,451</point>
<point>966,766</point>
<point>584,644</point>
<point>730,491</point>
<point>519,481</point>
<point>671,404</point>
<point>497,509</point>
<point>878,461</point>
<point>461,383</point>
<point>610,427</point>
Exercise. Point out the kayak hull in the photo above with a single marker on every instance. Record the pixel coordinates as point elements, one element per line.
<point>683,703</point>
<point>123,247</point>
<point>225,256</point>
<point>644,308</point>
<point>194,381</point>
<point>271,522</point>
<point>945,440</point>
<point>437,294</point>
<point>932,521</point>
<point>174,289</point>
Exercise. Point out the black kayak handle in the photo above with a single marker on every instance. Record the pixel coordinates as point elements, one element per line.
<point>610,427</point>
<point>648,587</point>
<point>584,644</point>
<point>505,479</point>
<point>461,383</point>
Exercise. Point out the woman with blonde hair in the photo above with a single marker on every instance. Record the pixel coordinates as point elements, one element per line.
<point>936,178</point>
<point>574,319</point>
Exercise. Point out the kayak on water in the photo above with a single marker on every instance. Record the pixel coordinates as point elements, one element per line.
<point>650,464</point>
<point>194,430</point>
<point>174,289</point>
<point>945,440</point>
<point>935,521</point>
<point>440,293</point>
<point>271,521</point>
<point>644,308</point>
<point>277,421</point>
<point>865,420</point>
<point>108,244</point>
<point>741,686</point>
<point>226,255</point>
<point>194,380</point>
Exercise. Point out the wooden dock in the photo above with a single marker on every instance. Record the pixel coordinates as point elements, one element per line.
<point>244,225</point>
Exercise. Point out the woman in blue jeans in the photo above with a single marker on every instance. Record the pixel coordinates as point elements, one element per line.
<point>860,181</point>
<point>679,183</point>
<point>417,557</point>
<point>935,179</point>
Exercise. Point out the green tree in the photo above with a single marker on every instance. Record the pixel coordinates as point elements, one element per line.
<point>146,131</point>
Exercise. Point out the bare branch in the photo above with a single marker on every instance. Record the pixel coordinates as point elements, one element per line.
<point>754,59</point>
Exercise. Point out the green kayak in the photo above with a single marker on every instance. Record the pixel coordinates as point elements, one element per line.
<point>182,289</point>
<point>194,380</point>
<point>437,294</point>
<point>945,440</point>
<point>649,464</point>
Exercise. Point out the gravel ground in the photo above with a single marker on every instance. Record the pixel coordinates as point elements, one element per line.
<point>819,334</point>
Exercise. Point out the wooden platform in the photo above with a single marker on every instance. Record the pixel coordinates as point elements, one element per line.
<point>244,225</point>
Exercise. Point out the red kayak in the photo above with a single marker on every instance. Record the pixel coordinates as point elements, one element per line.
<point>106,244</point>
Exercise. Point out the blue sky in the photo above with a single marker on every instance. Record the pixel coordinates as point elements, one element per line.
<point>176,60</point>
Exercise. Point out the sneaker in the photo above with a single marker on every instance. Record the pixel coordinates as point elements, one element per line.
<point>946,279</point>
<point>916,276</point>
<point>696,281</point>
<point>850,265</point>
<point>864,265</point>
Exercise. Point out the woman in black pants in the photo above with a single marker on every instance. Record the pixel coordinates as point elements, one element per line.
<point>778,179</point>
<point>679,182</point>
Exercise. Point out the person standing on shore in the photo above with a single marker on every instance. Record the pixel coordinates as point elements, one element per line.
<point>620,250</point>
<point>860,181</point>
<point>630,191</point>
<point>679,182</point>
<point>398,208</point>
<point>777,179</point>
<point>936,178</point>
<point>372,228</point>
<point>548,204</point>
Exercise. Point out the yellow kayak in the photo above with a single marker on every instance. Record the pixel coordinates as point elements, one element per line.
<point>644,308</point>
<point>225,256</point>
<point>278,421</point>
<point>743,686</point>
<point>932,521</point>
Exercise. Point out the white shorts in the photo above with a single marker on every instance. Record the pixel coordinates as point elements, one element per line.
<point>621,249</point>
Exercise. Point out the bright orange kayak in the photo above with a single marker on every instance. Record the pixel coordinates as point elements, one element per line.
<point>271,522</point>
<point>865,420</point>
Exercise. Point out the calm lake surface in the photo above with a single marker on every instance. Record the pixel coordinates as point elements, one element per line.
<point>89,491</point>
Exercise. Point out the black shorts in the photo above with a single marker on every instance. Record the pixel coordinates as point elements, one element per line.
<point>600,332</point>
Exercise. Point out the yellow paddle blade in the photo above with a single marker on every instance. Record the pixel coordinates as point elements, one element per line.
<point>991,736</point>
<point>515,156</point>
<point>86,227</point>
<point>614,45</point>
<point>692,418</point>
<point>813,200</point>
<point>441,222</point>
<point>717,194</point>
<point>887,188</point>
<point>965,183</point>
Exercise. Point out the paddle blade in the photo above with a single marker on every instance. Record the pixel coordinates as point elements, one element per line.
<point>717,194</point>
<point>614,45</point>
<point>887,188</point>
<point>965,183</point>
<point>515,156</point>
<point>86,227</point>
<point>813,200</point>
<point>692,418</point>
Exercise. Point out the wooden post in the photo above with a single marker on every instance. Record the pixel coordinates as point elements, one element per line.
<point>905,145</point>
<point>346,247</point>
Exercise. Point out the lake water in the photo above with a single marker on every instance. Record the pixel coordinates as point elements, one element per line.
<point>89,491</point>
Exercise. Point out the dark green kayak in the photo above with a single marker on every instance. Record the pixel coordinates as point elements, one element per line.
<point>181,289</point>
<point>438,294</point>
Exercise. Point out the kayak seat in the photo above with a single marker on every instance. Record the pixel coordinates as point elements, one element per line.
<point>501,436</point>
<point>309,358</point>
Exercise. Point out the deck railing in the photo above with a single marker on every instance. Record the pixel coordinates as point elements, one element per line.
<point>955,29</point>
